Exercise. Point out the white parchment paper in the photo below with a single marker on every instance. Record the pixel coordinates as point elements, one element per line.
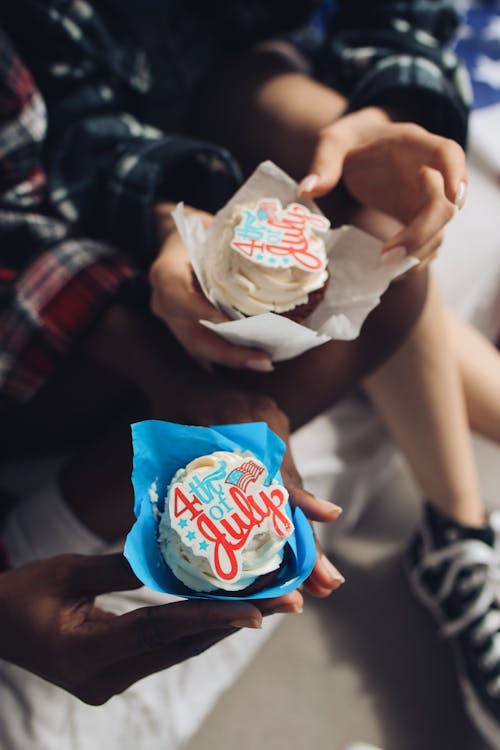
<point>359,274</point>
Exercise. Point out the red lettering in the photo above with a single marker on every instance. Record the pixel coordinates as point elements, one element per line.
<point>226,565</point>
<point>229,535</point>
<point>183,504</point>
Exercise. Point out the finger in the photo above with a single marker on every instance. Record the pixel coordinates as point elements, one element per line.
<point>324,577</point>
<point>429,251</point>
<point>428,222</point>
<point>124,673</point>
<point>292,603</point>
<point>150,628</point>
<point>92,575</point>
<point>313,507</point>
<point>425,255</point>
<point>114,679</point>
<point>209,345</point>
<point>443,155</point>
<point>430,258</point>
<point>448,158</point>
<point>326,167</point>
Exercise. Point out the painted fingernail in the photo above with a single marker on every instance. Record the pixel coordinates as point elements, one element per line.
<point>217,318</point>
<point>461,194</point>
<point>260,365</point>
<point>308,183</point>
<point>399,252</point>
<point>330,570</point>
<point>331,507</point>
<point>287,609</point>
<point>243,622</point>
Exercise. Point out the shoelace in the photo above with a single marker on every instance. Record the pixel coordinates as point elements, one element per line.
<point>472,565</point>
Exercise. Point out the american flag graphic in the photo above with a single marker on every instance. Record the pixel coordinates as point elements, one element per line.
<point>244,475</point>
<point>478,46</point>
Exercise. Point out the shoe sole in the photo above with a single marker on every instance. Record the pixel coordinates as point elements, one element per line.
<point>487,728</point>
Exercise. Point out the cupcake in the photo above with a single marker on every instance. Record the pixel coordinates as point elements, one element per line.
<point>224,527</point>
<point>270,259</point>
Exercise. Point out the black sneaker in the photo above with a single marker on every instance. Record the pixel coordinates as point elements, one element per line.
<point>454,571</point>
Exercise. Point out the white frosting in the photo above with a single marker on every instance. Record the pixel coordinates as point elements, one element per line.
<point>203,528</point>
<point>253,287</point>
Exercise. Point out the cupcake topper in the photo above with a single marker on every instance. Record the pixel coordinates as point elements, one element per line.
<point>280,237</point>
<point>216,509</point>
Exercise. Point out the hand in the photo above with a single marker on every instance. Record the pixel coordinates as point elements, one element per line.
<point>223,407</point>
<point>179,302</point>
<point>399,169</point>
<point>324,577</point>
<point>50,625</point>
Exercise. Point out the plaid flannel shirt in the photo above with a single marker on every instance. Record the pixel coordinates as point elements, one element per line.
<point>53,284</point>
<point>79,182</point>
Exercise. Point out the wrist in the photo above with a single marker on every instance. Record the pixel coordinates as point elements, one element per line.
<point>358,127</point>
<point>163,220</point>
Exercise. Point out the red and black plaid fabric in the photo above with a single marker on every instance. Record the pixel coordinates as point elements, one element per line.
<point>80,181</point>
<point>53,284</point>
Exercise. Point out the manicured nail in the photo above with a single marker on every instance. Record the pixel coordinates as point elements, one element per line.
<point>243,622</point>
<point>330,570</point>
<point>216,317</point>
<point>286,609</point>
<point>261,365</point>
<point>308,183</point>
<point>461,194</point>
<point>398,252</point>
<point>331,507</point>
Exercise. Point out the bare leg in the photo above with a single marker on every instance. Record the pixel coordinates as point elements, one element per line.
<point>479,365</point>
<point>418,394</point>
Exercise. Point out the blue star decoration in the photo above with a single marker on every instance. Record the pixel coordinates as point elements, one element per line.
<point>191,535</point>
<point>203,545</point>
<point>183,523</point>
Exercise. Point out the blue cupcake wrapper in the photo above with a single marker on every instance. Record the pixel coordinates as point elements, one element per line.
<point>160,449</point>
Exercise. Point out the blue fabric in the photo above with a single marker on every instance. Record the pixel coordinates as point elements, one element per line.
<point>478,46</point>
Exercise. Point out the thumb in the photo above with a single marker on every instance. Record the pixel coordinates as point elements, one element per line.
<point>93,575</point>
<point>326,167</point>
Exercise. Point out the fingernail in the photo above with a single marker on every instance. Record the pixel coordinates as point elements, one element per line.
<point>308,183</point>
<point>337,584</point>
<point>260,365</point>
<point>331,507</point>
<point>243,622</point>
<point>461,194</point>
<point>217,318</point>
<point>287,609</point>
<point>399,252</point>
<point>331,571</point>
